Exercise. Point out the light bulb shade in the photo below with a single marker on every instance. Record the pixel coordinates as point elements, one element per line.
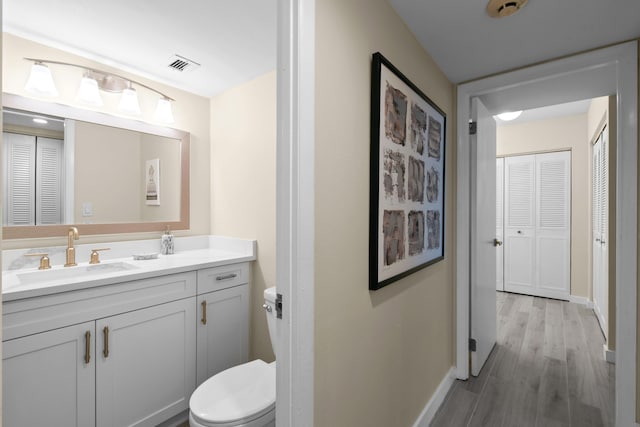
<point>40,81</point>
<point>89,93</point>
<point>163,111</point>
<point>129,102</point>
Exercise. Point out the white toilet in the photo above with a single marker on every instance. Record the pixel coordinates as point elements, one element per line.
<point>242,396</point>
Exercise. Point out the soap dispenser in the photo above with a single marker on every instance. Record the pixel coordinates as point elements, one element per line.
<point>167,242</point>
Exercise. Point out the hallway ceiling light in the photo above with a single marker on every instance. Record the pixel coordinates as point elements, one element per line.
<point>40,83</point>
<point>502,8</point>
<point>510,115</point>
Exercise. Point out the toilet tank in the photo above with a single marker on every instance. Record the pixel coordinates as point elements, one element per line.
<point>270,300</point>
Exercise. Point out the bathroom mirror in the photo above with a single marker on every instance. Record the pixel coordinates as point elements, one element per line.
<point>103,174</point>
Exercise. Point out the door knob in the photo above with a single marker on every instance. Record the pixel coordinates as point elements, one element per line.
<point>497,242</point>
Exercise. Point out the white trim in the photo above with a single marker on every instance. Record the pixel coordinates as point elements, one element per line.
<point>581,300</point>
<point>432,406</point>
<point>616,62</point>
<point>295,212</point>
<point>609,355</point>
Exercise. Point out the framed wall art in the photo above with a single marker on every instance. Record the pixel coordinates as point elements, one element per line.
<point>406,212</point>
<point>152,182</point>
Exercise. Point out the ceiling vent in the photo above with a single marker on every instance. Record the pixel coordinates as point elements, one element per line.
<point>502,8</point>
<point>180,63</point>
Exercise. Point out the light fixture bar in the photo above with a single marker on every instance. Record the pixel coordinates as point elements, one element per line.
<point>105,73</point>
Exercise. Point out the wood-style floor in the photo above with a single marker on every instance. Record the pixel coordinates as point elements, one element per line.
<point>546,370</point>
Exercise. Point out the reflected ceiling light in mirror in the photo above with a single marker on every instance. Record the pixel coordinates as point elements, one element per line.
<point>89,92</point>
<point>163,111</point>
<point>510,115</point>
<point>129,102</point>
<point>40,81</point>
<point>40,121</point>
<point>93,81</point>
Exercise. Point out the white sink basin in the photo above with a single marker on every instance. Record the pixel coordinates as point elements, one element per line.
<point>77,272</point>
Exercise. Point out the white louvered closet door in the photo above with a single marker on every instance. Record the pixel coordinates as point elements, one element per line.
<point>553,224</point>
<point>538,224</point>
<point>500,223</point>
<point>49,181</point>
<point>19,167</point>
<point>519,238</point>
<point>34,179</point>
<point>600,226</point>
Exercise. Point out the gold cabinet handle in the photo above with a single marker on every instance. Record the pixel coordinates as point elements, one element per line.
<point>105,332</point>
<point>87,347</point>
<point>204,313</point>
<point>497,242</point>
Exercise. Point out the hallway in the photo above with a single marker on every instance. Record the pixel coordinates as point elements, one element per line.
<point>546,370</point>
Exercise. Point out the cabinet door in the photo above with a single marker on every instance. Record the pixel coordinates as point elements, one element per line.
<point>48,379</point>
<point>145,370</point>
<point>223,330</point>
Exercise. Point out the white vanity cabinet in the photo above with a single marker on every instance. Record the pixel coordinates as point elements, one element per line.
<point>146,377</point>
<point>48,380</point>
<point>145,370</point>
<point>223,319</point>
<point>127,353</point>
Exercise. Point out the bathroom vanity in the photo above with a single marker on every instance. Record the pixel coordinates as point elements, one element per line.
<point>121,345</point>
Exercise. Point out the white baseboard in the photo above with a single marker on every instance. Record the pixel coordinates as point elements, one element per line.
<point>581,300</point>
<point>609,355</point>
<point>429,411</point>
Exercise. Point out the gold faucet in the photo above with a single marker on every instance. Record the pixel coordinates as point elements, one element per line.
<point>71,251</point>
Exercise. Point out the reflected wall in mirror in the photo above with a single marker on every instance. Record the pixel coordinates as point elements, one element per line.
<point>89,169</point>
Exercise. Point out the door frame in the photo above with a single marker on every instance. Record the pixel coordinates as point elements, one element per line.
<point>619,64</point>
<point>295,211</point>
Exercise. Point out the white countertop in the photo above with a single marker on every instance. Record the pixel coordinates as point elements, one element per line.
<point>191,254</point>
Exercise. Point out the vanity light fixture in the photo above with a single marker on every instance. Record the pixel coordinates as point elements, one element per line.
<point>40,121</point>
<point>163,111</point>
<point>40,83</point>
<point>510,115</point>
<point>89,92</point>
<point>129,102</point>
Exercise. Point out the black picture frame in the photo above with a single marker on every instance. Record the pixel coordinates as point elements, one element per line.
<point>407,177</point>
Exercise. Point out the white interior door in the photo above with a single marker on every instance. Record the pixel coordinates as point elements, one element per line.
<point>483,224</point>
<point>519,228</point>
<point>553,225</point>
<point>538,224</point>
<point>500,224</point>
<point>599,234</point>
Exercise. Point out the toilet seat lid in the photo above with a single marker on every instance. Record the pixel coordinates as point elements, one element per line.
<point>237,393</point>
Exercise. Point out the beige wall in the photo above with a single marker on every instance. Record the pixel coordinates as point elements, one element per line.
<point>191,113</point>
<point>559,134</point>
<point>379,356</point>
<point>243,179</point>
<point>112,184</point>
<point>602,112</point>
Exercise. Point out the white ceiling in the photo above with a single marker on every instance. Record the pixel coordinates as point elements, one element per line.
<point>234,41</point>
<point>468,44</point>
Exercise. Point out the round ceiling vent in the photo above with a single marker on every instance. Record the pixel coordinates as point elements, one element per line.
<point>502,8</point>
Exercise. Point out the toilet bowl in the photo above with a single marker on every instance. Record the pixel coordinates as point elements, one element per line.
<point>241,396</point>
